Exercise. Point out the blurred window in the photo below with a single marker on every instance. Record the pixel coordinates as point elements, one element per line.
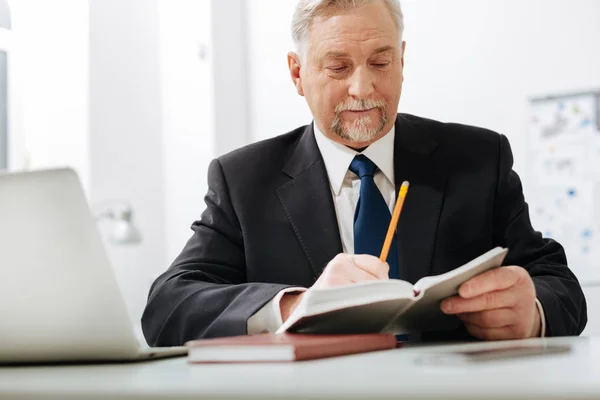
<point>4,35</point>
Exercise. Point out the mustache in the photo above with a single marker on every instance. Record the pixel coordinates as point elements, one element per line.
<point>360,105</point>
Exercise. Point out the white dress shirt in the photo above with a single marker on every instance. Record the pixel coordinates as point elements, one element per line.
<point>345,188</point>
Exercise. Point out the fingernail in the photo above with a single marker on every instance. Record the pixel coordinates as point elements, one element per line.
<point>447,306</point>
<point>465,289</point>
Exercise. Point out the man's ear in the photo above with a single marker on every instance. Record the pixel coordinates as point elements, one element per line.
<point>294,65</point>
<point>403,50</point>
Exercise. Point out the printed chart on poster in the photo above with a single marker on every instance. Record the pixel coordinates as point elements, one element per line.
<point>564,156</point>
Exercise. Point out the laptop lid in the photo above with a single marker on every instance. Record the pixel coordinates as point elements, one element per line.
<point>59,297</point>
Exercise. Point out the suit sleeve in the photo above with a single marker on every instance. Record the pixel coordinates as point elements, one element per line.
<point>205,292</point>
<point>556,286</point>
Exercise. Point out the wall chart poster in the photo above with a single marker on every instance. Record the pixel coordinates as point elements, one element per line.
<point>564,159</point>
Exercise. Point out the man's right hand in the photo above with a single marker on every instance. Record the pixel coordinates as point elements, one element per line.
<point>344,269</point>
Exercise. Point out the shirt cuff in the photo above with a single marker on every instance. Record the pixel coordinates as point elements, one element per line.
<point>268,318</point>
<point>542,317</point>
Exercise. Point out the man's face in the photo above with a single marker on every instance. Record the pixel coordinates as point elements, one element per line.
<point>351,73</point>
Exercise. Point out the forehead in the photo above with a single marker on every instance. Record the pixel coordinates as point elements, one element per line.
<point>355,30</point>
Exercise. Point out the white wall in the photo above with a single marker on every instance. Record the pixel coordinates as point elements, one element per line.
<point>161,75</point>
<point>204,102</point>
<point>469,61</point>
<point>478,62</point>
<point>126,91</point>
<point>230,76</point>
<point>187,115</point>
<point>15,144</point>
<point>49,81</point>
<point>275,107</point>
<point>126,133</point>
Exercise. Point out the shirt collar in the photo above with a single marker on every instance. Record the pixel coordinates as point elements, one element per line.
<point>338,157</point>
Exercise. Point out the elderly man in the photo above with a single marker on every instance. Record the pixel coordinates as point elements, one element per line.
<point>310,208</point>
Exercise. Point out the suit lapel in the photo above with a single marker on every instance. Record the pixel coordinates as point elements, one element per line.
<point>418,160</point>
<point>308,203</point>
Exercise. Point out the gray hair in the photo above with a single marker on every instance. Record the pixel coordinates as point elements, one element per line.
<point>307,10</point>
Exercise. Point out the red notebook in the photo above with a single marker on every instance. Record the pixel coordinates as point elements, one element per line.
<point>284,347</point>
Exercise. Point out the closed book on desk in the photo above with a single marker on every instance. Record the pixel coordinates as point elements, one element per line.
<point>284,347</point>
<point>386,306</point>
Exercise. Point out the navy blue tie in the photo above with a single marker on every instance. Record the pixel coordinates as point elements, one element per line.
<point>372,216</point>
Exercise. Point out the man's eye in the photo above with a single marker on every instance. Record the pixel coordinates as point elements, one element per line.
<point>381,65</point>
<point>337,70</point>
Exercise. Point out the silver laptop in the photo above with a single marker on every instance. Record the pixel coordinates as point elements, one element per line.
<point>59,297</point>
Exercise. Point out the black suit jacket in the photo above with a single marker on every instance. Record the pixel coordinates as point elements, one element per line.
<point>270,223</point>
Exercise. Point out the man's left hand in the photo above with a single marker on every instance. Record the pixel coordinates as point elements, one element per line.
<point>497,305</point>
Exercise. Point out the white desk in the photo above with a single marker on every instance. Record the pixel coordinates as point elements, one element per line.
<point>381,375</point>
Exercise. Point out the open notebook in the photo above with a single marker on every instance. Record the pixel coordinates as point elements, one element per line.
<point>389,306</point>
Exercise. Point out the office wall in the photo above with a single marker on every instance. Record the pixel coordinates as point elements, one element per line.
<point>470,61</point>
<point>204,102</point>
<point>126,143</point>
<point>3,111</point>
<point>49,85</point>
<point>4,98</point>
<point>228,56</point>
<point>187,115</point>
<point>160,74</point>
<point>275,107</point>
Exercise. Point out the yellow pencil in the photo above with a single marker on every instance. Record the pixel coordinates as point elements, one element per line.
<point>394,222</point>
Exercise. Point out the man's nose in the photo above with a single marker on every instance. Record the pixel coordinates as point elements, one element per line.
<point>361,85</point>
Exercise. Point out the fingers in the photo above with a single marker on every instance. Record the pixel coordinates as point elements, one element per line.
<point>371,265</point>
<point>354,266</point>
<point>486,301</point>
<point>345,269</point>
<point>496,279</point>
<point>499,318</point>
<point>504,333</point>
<point>356,274</point>
<point>499,304</point>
